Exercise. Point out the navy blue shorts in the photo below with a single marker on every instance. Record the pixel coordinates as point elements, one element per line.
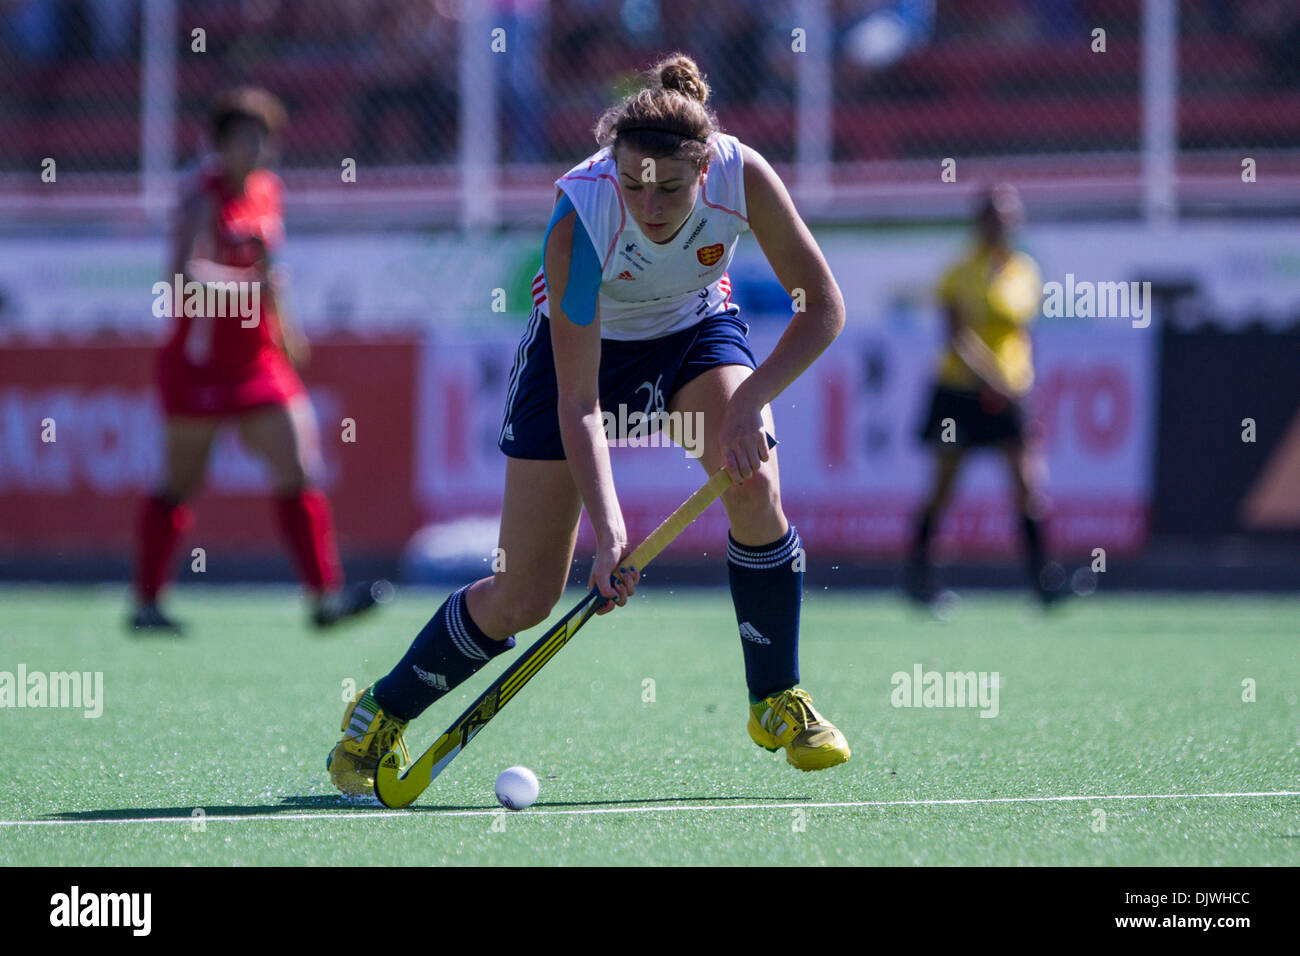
<point>642,375</point>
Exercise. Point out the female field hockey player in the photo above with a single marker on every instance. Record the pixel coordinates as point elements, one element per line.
<point>222,368</point>
<point>990,298</point>
<point>633,298</point>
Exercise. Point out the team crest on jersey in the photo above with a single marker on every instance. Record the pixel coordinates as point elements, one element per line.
<point>708,255</point>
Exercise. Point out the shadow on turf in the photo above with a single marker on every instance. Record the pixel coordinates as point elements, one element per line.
<point>335,802</point>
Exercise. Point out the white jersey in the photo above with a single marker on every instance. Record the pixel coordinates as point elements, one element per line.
<point>647,289</point>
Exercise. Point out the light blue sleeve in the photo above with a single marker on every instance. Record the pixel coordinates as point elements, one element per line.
<point>579,302</point>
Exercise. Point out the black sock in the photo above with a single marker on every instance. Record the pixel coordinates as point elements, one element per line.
<point>921,538</point>
<point>919,573</point>
<point>1032,530</point>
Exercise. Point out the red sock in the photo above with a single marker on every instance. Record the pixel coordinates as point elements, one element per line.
<point>160,529</point>
<point>308,524</point>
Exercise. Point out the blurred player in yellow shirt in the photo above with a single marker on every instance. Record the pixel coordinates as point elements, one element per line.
<point>990,298</point>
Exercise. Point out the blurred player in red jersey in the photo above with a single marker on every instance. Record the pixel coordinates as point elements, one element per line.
<point>238,365</point>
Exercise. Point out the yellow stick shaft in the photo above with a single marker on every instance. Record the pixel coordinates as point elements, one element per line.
<point>676,522</point>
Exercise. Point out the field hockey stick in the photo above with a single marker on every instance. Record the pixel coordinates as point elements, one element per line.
<point>397,789</point>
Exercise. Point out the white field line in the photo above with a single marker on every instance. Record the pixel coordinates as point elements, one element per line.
<point>216,816</point>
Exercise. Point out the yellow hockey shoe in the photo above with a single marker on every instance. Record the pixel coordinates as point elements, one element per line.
<point>368,734</point>
<point>789,720</point>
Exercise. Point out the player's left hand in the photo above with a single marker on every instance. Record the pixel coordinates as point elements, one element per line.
<point>742,437</point>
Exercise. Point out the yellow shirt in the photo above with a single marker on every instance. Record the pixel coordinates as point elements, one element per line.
<point>999,306</point>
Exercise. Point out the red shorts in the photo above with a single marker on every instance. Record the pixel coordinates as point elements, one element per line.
<point>204,390</point>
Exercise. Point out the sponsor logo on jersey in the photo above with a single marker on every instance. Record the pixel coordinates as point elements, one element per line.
<point>709,255</point>
<point>695,232</point>
<point>626,275</point>
<point>631,254</point>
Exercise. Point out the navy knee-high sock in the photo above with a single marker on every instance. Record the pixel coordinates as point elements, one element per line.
<point>449,650</point>
<point>767,589</point>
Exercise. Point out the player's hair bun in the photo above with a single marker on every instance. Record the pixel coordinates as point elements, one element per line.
<point>666,117</point>
<point>680,74</point>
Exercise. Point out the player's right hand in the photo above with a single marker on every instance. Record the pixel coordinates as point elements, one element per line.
<point>611,575</point>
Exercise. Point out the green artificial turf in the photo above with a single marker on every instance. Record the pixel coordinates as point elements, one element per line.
<point>1127,696</point>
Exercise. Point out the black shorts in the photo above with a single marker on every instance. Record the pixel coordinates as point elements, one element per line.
<point>979,418</point>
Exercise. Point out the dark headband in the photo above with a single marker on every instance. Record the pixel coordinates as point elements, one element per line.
<point>657,129</point>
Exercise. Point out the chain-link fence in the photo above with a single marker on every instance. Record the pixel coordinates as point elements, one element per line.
<point>859,101</point>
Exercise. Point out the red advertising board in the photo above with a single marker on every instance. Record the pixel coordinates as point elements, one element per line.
<point>77,495</point>
<point>427,415</point>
